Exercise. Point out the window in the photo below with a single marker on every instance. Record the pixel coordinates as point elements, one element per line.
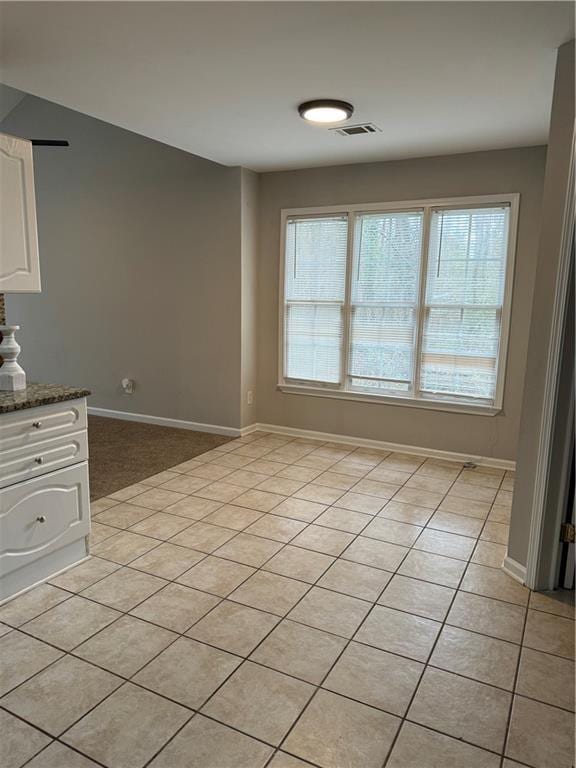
<point>315,287</point>
<point>409,302</point>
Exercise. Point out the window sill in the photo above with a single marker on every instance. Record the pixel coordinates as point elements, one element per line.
<point>433,405</point>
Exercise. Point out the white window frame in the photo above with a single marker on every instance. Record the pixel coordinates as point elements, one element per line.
<point>436,402</point>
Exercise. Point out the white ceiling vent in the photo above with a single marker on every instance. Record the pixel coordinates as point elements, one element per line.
<point>357,130</point>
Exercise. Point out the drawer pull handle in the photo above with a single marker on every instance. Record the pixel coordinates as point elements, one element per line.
<point>36,424</point>
<point>41,518</point>
<point>39,460</point>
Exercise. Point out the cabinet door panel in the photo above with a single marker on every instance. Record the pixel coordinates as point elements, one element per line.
<point>19,263</point>
<point>39,516</point>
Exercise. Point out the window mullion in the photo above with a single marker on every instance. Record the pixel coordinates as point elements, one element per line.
<point>347,308</point>
<point>421,307</point>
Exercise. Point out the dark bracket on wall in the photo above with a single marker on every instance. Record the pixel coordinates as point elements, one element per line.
<point>50,143</point>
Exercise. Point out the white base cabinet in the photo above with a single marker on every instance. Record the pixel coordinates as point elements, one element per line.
<point>44,506</point>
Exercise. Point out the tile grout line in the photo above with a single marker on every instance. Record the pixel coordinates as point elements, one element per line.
<point>214,554</point>
<point>285,544</point>
<point>286,617</point>
<point>240,665</point>
<point>514,684</point>
<point>70,653</point>
<point>344,649</point>
<point>246,658</point>
<point>517,666</point>
<point>426,663</point>
<point>231,673</point>
<point>206,555</point>
<point>129,680</point>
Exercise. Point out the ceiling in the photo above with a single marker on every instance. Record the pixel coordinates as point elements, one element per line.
<point>223,79</point>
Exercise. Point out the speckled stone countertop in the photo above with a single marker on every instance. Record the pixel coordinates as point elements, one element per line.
<point>36,395</point>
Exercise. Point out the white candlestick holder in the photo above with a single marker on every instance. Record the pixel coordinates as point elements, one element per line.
<point>12,376</point>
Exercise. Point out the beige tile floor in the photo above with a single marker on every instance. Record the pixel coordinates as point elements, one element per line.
<point>286,603</point>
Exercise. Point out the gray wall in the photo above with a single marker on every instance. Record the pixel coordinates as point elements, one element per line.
<point>553,207</point>
<point>518,170</point>
<point>141,266</point>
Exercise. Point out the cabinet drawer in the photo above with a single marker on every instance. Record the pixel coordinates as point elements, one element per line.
<point>42,515</point>
<point>33,425</point>
<point>37,459</point>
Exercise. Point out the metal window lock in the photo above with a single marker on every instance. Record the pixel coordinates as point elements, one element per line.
<point>41,518</point>
<point>36,424</point>
<point>39,460</point>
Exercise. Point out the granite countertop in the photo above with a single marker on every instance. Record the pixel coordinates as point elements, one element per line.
<point>39,394</point>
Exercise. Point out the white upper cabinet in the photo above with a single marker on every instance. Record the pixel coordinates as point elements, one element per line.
<point>19,263</point>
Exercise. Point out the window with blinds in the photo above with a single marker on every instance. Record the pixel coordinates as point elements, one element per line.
<point>463,302</point>
<point>409,303</point>
<point>384,300</point>
<point>314,293</point>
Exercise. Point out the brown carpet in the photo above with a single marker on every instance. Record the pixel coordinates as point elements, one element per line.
<point>124,452</point>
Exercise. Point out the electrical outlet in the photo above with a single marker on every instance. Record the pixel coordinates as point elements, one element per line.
<point>128,386</point>
<point>250,397</point>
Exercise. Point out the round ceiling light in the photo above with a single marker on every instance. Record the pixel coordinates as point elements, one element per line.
<point>325,111</point>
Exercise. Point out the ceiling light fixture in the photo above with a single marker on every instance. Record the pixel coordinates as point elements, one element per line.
<point>325,111</point>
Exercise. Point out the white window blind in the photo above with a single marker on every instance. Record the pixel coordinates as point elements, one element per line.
<point>384,300</point>
<point>314,293</point>
<point>464,295</point>
<point>403,303</point>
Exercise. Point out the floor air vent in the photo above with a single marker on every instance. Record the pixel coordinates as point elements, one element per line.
<point>356,130</point>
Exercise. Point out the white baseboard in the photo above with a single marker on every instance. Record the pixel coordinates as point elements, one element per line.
<point>252,428</point>
<point>514,569</point>
<point>362,442</point>
<point>161,421</point>
<point>486,461</point>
